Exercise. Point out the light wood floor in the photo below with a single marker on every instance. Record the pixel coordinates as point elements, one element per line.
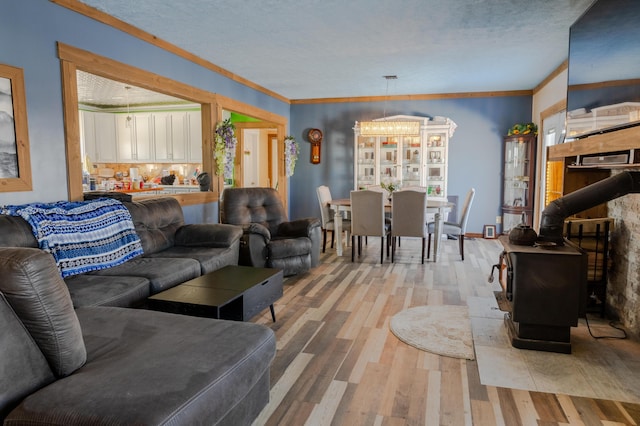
<point>337,363</point>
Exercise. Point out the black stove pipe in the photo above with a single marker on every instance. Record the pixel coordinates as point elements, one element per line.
<point>553,216</point>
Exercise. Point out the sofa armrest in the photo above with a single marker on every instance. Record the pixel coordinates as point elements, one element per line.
<point>298,228</point>
<point>207,235</point>
<point>253,245</point>
<point>257,229</point>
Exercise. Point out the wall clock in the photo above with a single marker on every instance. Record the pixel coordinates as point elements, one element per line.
<point>315,137</point>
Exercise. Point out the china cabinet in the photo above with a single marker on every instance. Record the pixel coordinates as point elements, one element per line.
<point>407,160</point>
<point>518,180</point>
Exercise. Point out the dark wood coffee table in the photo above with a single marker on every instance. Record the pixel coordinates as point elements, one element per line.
<point>233,292</point>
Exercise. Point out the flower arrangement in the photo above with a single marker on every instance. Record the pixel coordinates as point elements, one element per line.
<point>523,129</point>
<point>291,151</point>
<point>390,187</point>
<point>225,148</point>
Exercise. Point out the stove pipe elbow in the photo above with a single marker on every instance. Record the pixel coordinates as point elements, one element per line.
<point>553,216</point>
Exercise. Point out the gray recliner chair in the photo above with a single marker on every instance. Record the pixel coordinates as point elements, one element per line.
<point>269,238</point>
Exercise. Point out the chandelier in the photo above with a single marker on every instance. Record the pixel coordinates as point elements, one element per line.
<point>386,127</point>
<point>389,128</point>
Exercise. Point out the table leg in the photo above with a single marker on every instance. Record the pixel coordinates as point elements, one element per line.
<point>437,235</point>
<point>273,312</point>
<point>337,224</point>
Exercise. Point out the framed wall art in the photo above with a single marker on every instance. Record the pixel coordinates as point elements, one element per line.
<point>15,163</point>
<point>489,231</point>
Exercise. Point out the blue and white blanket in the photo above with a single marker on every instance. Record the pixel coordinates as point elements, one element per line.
<point>82,236</point>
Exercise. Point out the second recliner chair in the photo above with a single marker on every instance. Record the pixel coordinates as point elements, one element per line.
<point>270,239</point>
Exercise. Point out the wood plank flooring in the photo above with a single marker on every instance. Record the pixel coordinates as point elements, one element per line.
<point>337,363</point>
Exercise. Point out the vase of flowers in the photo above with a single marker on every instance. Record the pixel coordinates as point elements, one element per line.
<point>390,187</point>
<point>225,148</point>
<point>291,151</point>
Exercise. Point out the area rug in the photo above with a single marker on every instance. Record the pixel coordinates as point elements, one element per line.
<point>440,329</point>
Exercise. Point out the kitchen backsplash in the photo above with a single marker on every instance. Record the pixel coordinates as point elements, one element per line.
<point>151,172</point>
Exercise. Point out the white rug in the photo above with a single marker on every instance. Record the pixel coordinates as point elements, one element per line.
<point>440,329</point>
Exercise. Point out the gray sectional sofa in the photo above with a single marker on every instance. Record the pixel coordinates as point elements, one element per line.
<point>119,366</point>
<point>72,352</point>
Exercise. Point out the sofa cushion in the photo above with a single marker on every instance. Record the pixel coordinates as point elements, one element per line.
<point>156,221</point>
<point>96,290</point>
<point>36,292</point>
<point>286,247</point>
<point>23,366</point>
<point>211,259</point>
<point>155,368</point>
<point>162,273</point>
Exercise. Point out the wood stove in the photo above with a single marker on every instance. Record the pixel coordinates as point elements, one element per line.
<point>546,286</point>
<point>547,283</point>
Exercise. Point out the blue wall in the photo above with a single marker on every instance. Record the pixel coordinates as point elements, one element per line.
<point>475,151</point>
<point>30,29</point>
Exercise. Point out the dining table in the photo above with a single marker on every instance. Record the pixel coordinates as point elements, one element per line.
<point>439,207</point>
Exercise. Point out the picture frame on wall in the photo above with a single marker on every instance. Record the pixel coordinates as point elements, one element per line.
<point>15,162</point>
<point>489,232</point>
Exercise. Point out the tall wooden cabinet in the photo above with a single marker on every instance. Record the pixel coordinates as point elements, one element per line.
<point>518,180</point>
<point>407,160</point>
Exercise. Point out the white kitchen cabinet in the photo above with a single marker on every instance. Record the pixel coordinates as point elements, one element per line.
<point>178,136</point>
<point>98,136</point>
<point>135,138</point>
<point>406,160</point>
<point>88,135</point>
<point>194,119</point>
<point>105,138</point>
<point>170,137</point>
<point>165,137</point>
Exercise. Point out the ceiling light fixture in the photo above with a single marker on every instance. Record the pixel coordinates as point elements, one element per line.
<point>384,127</point>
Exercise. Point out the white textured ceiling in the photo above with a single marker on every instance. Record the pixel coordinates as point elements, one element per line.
<point>304,49</point>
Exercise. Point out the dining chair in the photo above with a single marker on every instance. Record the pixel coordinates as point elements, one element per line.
<point>367,219</point>
<point>408,217</point>
<point>454,228</point>
<point>327,216</point>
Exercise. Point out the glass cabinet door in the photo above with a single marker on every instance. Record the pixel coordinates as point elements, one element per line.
<point>436,164</point>
<point>517,201</point>
<point>366,161</point>
<point>412,169</point>
<point>389,159</point>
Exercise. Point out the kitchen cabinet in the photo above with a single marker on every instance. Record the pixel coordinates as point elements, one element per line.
<point>170,133</point>
<point>134,137</point>
<point>407,160</point>
<point>194,122</point>
<point>88,135</point>
<point>518,180</point>
<point>177,136</point>
<point>164,137</point>
<point>98,136</point>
